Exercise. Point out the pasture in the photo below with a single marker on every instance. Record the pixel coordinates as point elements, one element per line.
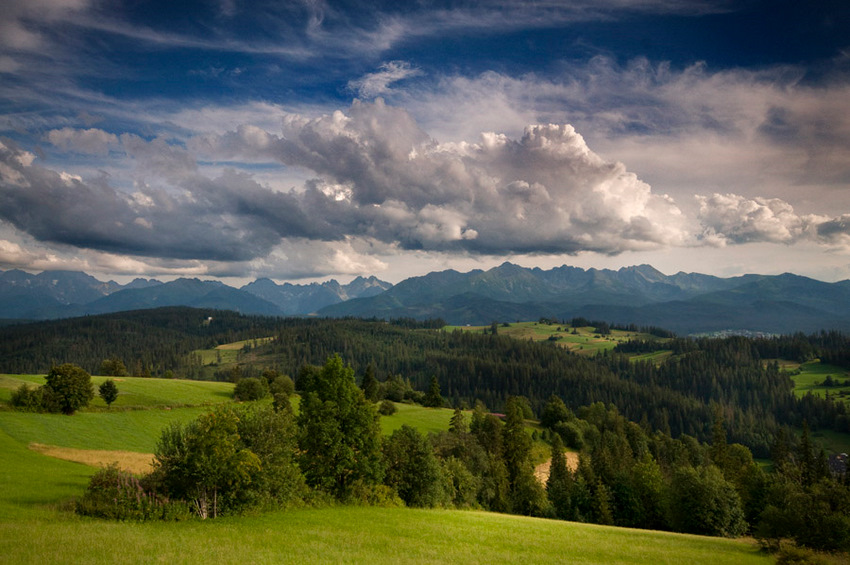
<point>37,524</point>
<point>581,340</point>
<point>809,377</point>
<point>38,527</point>
<point>228,353</point>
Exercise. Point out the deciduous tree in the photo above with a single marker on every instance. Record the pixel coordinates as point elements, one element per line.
<point>340,435</point>
<point>69,387</point>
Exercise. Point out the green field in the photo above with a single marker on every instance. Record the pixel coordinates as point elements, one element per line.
<point>815,372</point>
<point>37,492</point>
<point>37,527</point>
<point>229,352</point>
<point>425,420</point>
<point>585,341</point>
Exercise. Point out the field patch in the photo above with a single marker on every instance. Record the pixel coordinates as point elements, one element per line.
<point>581,340</point>
<point>228,353</point>
<point>138,463</point>
<point>542,471</point>
<point>425,420</point>
<point>812,376</point>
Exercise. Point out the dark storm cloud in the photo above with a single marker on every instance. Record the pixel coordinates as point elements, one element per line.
<point>229,218</point>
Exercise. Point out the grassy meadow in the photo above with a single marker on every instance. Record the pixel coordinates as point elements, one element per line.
<point>37,526</point>
<point>812,373</point>
<point>228,353</point>
<point>584,341</point>
<point>38,485</point>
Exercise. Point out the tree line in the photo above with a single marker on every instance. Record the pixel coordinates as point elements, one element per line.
<point>234,459</point>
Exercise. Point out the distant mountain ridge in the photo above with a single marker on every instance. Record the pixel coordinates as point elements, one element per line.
<point>63,294</point>
<point>684,302</point>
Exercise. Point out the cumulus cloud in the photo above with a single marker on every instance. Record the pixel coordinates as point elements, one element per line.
<point>378,177</point>
<point>734,219</point>
<point>378,182</point>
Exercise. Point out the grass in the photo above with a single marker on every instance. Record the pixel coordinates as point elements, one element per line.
<point>425,420</point>
<point>831,441</point>
<point>126,430</point>
<point>139,463</point>
<point>135,392</point>
<point>228,353</point>
<point>584,341</point>
<point>813,372</point>
<point>37,526</point>
<point>365,535</point>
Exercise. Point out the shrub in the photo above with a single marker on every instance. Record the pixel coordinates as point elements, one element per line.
<point>386,408</point>
<point>27,399</point>
<point>118,495</point>
<point>281,385</point>
<point>250,389</point>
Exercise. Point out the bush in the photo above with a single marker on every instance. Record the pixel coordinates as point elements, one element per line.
<point>386,408</point>
<point>118,495</point>
<point>27,399</point>
<point>250,389</point>
<point>282,385</point>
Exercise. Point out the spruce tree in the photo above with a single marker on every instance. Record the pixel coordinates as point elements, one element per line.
<point>458,425</point>
<point>370,384</point>
<point>559,484</point>
<point>433,399</point>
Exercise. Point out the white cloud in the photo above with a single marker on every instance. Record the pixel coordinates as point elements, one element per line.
<point>378,83</point>
<point>87,141</point>
<point>734,219</point>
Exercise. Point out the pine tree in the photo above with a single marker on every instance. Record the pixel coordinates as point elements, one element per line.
<point>559,484</point>
<point>433,399</point>
<point>718,440</point>
<point>370,384</point>
<point>806,457</point>
<point>458,425</point>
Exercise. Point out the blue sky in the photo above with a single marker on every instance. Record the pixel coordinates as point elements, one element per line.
<point>307,140</point>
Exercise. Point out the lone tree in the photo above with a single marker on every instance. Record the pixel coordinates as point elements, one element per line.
<point>108,391</point>
<point>69,388</point>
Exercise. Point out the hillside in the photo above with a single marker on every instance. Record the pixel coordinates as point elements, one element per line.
<point>38,526</point>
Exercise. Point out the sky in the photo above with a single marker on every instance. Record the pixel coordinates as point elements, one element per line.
<point>312,139</point>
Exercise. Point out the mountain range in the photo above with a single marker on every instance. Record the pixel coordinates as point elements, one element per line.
<point>64,294</point>
<point>685,302</point>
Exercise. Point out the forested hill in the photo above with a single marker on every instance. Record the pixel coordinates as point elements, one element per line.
<point>681,394</point>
